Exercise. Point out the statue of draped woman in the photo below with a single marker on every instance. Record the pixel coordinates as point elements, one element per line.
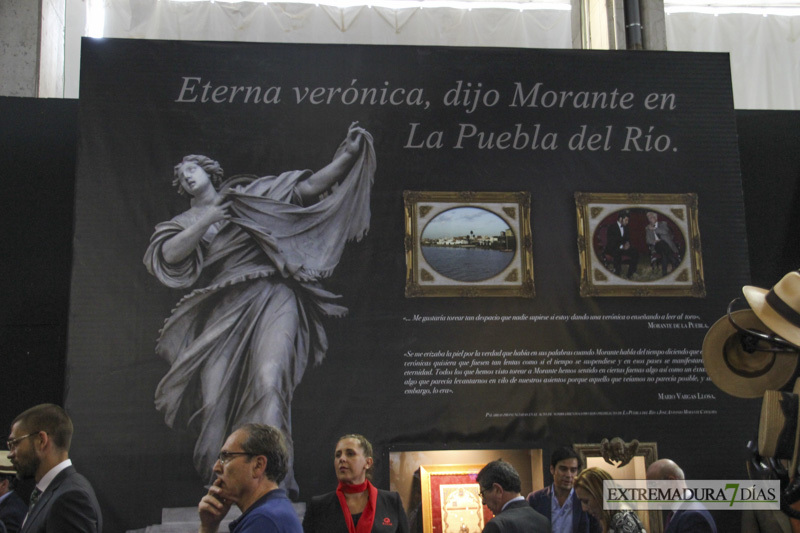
<point>254,251</point>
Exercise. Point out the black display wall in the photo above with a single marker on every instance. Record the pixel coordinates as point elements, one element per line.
<point>37,173</point>
<point>769,148</point>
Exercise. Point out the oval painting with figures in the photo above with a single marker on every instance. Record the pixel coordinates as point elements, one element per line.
<point>468,244</point>
<point>639,244</point>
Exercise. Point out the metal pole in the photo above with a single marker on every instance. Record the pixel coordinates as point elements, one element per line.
<point>633,25</point>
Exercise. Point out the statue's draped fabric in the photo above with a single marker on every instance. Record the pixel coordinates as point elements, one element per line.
<point>238,344</point>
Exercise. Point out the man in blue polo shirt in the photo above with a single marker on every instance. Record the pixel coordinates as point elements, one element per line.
<point>251,464</point>
<point>558,502</point>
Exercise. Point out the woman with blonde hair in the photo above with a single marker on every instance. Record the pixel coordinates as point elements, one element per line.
<point>589,489</point>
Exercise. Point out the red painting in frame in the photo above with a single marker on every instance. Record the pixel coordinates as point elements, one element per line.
<point>462,511</point>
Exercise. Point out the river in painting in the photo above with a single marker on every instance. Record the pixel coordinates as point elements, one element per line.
<point>467,264</point>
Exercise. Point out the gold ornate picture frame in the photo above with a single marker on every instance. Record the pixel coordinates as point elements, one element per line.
<point>647,451</point>
<point>639,245</point>
<point>468,244</point>
<point>451,501</point>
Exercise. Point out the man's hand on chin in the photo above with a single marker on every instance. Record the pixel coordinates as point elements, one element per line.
<point>213,508</point>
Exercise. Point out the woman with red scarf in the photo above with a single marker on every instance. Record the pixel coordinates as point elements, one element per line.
<point>356,506</point>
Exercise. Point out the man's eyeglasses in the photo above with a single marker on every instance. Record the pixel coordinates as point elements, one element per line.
<point>12,443</point>
<point>225,457</point>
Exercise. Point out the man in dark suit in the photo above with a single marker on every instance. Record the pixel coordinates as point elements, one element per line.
<point>558,502</point>
<point>12,507</point>
<point>618,245</point>
<point>500,486</point>
<point>693,519</point>
<point>63,501</point>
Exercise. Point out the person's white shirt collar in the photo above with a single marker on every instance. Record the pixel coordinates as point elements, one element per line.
<point>50,476</point>
<point>520,497</point>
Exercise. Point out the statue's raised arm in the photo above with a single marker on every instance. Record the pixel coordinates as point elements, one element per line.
<point>325,178</point>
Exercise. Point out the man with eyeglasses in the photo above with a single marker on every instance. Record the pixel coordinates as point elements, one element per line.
<point>500,486</point>
<point>250,465</point>
<point>63,500</point>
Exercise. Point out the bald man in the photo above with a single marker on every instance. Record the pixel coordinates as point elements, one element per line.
<point>691,519</point>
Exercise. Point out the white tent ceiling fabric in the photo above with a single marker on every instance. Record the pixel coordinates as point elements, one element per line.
<point>764,47</point>
<point>310,23</point>
<point>764,53</point>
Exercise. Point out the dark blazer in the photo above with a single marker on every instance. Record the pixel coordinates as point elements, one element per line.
<point>615,239</point>
<point>540,500</point>
<point>691,521</point>
<point>68,505</point>
<point>518,517</point>
<point>324,514</point>
<point>12,512</point>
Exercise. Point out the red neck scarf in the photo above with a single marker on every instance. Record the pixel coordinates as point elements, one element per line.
<point>368,516</point>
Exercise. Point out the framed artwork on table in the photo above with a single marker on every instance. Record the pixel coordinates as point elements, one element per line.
<point>639,245</point>
<point>468,244</point>
<point>451,500</point>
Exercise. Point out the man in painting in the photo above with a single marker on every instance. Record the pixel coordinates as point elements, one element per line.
<point>500,486</point>
<point>254,255</point>
<point>662,245</point>
<point>558,502</point>
<point>618,245</point>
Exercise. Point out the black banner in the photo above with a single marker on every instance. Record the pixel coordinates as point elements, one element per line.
<point>568,361</point>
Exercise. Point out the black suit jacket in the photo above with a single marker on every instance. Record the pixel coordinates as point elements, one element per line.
<point>324,514</point>
<point>518,517</point>
<point>615,239</point>
<point>67,506</point>
<point>694,520</point>
<point>12,512</point>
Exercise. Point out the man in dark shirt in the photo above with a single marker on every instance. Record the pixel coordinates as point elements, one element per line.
<point>618,245</point>
<point>251,464</point>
